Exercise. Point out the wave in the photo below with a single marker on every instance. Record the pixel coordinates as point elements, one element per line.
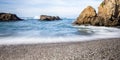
<point>34,40</point>
<point>95,31</point>
<point>99,30</point>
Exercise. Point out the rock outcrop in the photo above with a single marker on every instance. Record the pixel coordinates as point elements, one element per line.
<point>49,18</point>
<point>87,16</point>
<point>8,17</point>
<point>108,14</point>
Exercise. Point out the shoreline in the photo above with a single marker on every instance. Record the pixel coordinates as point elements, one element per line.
<point>107,49</point>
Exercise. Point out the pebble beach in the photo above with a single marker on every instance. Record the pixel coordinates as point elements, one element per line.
<point>102,49</point>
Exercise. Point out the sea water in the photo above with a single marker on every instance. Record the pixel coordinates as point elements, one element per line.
<point>31,31</point>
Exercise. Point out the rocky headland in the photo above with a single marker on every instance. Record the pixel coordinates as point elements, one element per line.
<point>49,18</point>
<point>9,17</point>
<point>108,14</point>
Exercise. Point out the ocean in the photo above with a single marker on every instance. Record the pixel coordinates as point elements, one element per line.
<point>31,31</point>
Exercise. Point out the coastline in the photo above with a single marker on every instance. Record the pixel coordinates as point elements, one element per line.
<point>39,34</point>
<point>102,49</point>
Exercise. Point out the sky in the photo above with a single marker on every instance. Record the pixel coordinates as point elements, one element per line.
<point>62,8</point>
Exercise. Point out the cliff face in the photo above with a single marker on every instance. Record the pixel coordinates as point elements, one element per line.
<point>109,8</point>
<point>8,17</point>
<point>108,14</point>
<point>109,11</point>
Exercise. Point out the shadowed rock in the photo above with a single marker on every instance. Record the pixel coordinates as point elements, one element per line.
<point>49,18</point>
<point>108,14</point>
<point>8,17</point>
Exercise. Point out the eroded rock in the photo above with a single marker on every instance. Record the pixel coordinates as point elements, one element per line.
<point>9,17</point>
<point>49,18</point>
<point>108,14</point>
<point>87,16</point>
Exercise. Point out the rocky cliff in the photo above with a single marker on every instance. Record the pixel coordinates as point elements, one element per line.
<point>49,18</point>
<point>108,14</point>
<point>8,17</point>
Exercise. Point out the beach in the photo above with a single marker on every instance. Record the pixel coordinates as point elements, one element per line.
<point>60,30</point>
<point>102,49</point>
<point>32,39</point>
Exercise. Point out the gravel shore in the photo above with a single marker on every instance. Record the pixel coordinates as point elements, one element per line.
<point>103,49</point>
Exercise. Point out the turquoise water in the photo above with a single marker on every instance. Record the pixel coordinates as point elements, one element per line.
<point>36,31</point>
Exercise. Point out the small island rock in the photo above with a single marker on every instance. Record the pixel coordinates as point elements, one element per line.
<point>9,17</point>
<point>49,18</point>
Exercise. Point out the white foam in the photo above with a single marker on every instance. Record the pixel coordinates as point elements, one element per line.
<point>36,17</point>
<point>34,40</point>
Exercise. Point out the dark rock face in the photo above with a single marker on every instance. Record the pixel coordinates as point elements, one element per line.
<point>8,17</point>
<point>49,18</point>
<point>108,14</point>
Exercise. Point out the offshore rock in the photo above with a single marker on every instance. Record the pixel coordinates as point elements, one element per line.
<point>9,17</point>
<point>49,18</point>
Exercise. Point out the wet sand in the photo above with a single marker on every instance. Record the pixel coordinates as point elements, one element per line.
<point>102,49</point>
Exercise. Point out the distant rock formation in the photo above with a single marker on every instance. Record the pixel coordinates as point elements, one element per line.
<point>8,17</point>
<point>49,18</point>
<point>108,14</point>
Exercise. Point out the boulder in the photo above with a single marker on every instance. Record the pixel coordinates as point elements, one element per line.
<point>87,16</point>
<point>108,14</point>
<point>8,17</point>
<point>49,18</point>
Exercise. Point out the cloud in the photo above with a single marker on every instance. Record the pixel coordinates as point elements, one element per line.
<point>64,8</point>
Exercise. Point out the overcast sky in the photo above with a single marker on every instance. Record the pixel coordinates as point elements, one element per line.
<point>62,8</point>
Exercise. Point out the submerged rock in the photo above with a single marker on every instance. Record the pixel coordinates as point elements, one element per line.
<point>49,18</point>
<point>108,14</point>
<point>8,17</point>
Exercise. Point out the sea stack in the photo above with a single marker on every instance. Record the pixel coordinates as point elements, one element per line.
<point>49,18</point>
<point>108,14</point>
<point>9,17</point>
